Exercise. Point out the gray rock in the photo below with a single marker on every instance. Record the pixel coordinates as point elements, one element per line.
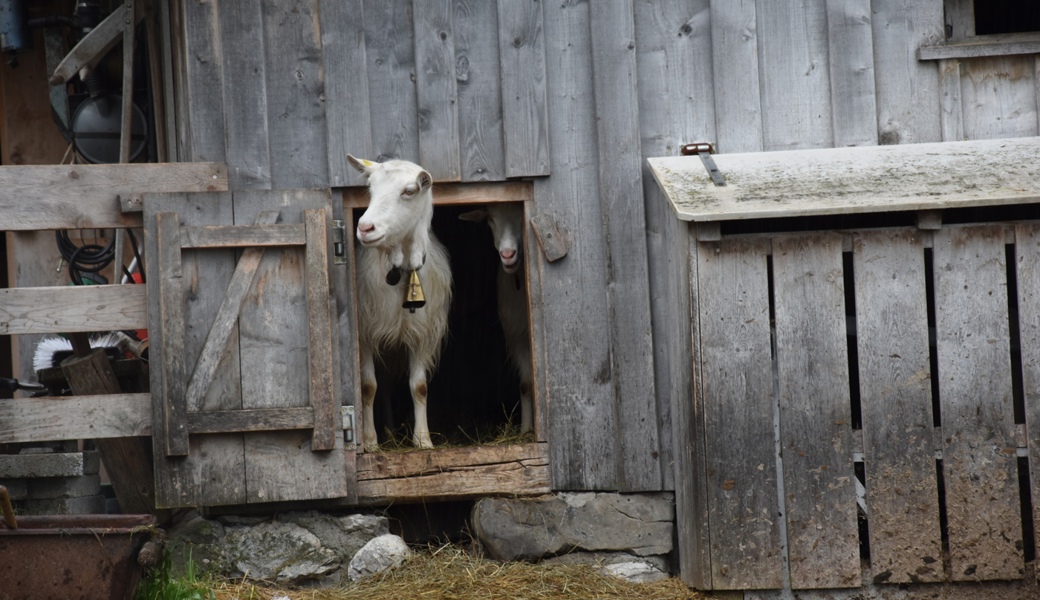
<point>636,571</point>
<point>528,529</point>
<point>278,551</point>
<point>343,535</point>
<point>379,554</point>
<point>604,559</point>
<point>198,540</point>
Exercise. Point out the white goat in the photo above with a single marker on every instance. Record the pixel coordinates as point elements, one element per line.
<point>395,238</point>
<point>506,222</point>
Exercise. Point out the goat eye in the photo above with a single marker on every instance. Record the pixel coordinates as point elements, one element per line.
<point>409,191</point>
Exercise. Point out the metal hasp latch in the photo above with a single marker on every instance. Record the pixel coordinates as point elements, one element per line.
<point>349,439</point>
<point>339,242</point>
<point>705,150</point>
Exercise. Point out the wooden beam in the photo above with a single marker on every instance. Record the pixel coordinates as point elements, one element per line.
<point>453,473</point>
<point>43,197</point>
<point>319,321</point>
<point>257,419</point>
<point>71,309</point>
<point>457,193</point>
<point>243,236</point>
<point>75,417</point>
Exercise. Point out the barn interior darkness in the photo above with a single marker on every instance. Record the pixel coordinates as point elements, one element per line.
<point>474,392</point>
<point>1006,16</point>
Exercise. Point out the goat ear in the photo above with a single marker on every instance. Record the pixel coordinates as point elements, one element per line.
<point>361,164</point>
<point>425,180</point>
<point>474,215</point>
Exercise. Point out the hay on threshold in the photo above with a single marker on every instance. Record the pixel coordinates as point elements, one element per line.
<point>450,573</point>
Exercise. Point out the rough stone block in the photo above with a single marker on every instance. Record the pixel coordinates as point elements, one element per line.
<point>86,505</point>
<point>18,489</point>
<point>64,487</point>
<point>528,529</point>
<point>64,464</point>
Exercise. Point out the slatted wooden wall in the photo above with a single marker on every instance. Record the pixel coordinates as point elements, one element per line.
<point>799,332</point>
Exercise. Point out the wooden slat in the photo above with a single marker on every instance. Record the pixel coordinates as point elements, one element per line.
<point>344,59</point>
<point>241,236</point>
<point>274,340</point>
<point>390,59</point>
<point>294,89</point>
<point>445,194</point>
<point>577,363</point>
<point>521,43</point>
<point>70,309</point>
<point>257,419</point>
<point>979,461</point>
<point>201,86</point>
<point>319,355</point>
<point>815,411</point>
<point>244,69</point>
<point>851,59</point>
<point>38,197</point>
<point>907,90</point>
<point>1027,259</point>
<point>127,114</point>
<point>999,97</point>
<point>896,407</point>
<point>453,473</point>
<point>952,115</point>
<point>227,315</point>
<point>173,406</point>
<point>620,180</point>
<point>738,100</point>
<point>75,417</point>
<point>435,86</point>
<point>796,101</point>
<point>738,407</point>
<point>479,86</point>
<point>845,180</point>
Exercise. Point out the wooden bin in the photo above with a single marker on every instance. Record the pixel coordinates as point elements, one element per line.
<point>861,387</point>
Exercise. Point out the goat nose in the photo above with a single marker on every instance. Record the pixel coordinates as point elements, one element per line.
<point>507,254</point>
<point>366,227</point>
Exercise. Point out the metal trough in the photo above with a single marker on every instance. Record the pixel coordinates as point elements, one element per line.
<point>71,556</point>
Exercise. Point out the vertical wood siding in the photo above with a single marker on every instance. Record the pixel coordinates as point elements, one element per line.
<point>576,95</point>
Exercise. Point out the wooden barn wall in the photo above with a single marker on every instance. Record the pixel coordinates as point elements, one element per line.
<point>576,94</point>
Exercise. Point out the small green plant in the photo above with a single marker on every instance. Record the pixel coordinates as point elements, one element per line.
<point>159,584</point>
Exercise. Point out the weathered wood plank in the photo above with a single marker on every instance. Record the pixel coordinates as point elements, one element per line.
<point>201,376</point>
<point>896,407</point>
<point>907,90</point>
<point>1008,44</point>
<point>347,112</point>
<point>479,87</point>
<point>320,356</point>
<point>1027,273</point>
<point>952,112</point>
<point>999,97</point>
<point>256,419</point>
<point>244,69</point>
<point>738,100</point>
<point>39,197</point>
<point>294,92</point>
<point>796,98</point>
<point>274,340</point>
<point>620,180</point>
<point>674,62</point>
<point>445,194</point>
<point>738,407</point>
<point>851,61</point>
<point>242,236</point>
<point>203,111</point>
<point>979,462</point>
<point>522,51</point>
<point>435,89</point>
<point>77,417</point>
<point>392,96</point>
<point>583,424</point>
<point>69,309</point>
<point>453,473</point>
<point>815,411</point>
<point>845,180</point>
<point>173,406</point>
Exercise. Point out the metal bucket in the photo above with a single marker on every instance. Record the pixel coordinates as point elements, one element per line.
<point>71,556</point>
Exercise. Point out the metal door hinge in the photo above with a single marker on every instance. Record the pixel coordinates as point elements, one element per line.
<point>339,243</point>
<point>705,150</point>
<point>349,439</point>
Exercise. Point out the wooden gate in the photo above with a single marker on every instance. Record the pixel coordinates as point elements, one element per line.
<point>246,379</point>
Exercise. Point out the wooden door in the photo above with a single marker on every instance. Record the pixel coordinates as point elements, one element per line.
<point>244,348</point>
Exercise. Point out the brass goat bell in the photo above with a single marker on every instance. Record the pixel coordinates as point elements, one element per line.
<point>414,297</point>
